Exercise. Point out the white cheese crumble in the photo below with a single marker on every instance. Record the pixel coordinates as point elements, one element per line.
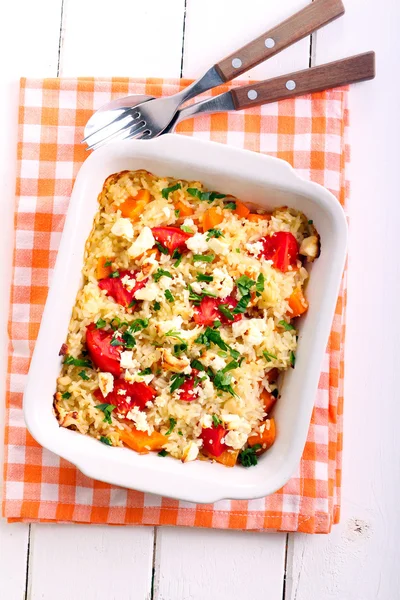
<point>173,324</point>
<point>235,439</point>
<point>127,361</point>
<point>190,452</point>
<point>206,421</point>
<point>218,363</point>
<point>144,241</point>
<point>218,246</point>
<point>128,283</point>
<point>139,418</point>
<point>106,383</point>
<point>197,243</point>
<point>123,228</point>
<point>255,248</point>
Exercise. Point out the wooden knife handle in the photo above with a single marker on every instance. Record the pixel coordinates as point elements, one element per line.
<point>303,23</point>
<point>341,72</point>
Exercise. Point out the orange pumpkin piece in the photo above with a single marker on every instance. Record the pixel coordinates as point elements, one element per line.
<point>241,210</point>
<point>228,458</point>
<point>211,218</point>
<point>255,218</point>
<point>133,207</point>
<point>265,438</point>
<point>142,442</point>
<point>103,271</point>
<point>297,303</point>
<point>184,209</point>
<point>268,400</point>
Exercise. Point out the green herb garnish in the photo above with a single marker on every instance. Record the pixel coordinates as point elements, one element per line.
<point>268,356</point>
<point>169,296</point>
<point>138,325</point>
<point>217,324</point>
<point>202,277</point>
<point>203,257</point>
<point>214,233</point>
<point>310,222</point>
<point>162,248</point>
<point>286,325</point>
<point>76,362</point>
<point>129,340</point>
<point>105,440</point>
<point>66,395</point>
<point>162,452</point>
<point>292,359</point>
<point>108,263</point>
<point>216,420</point>
<point>196,364</point>
<point>114,275</point>
<point>177,213</point>
<point>238,250</point>
<point>245,284</point>
<point>177,380</point>
<point>172,423</point>
<point>156,306</point>
<point>180,348</point>
<point>174,334</point>
<point>166,191</point>
<point>222,381</point>
<point>241,306</point>
<point>205,196</point>
<point>180,432</point>
<point>100,323</point>
<point>107,410</point>
<point>178,256</point>
<point>146,371</point>
<point>186,229</point>
<point>260,284</point>
<point>223,309</point>
<point>230,206</point>
<point>116,342</point>
<point>248,457</point>
<point>83,375</point>
<point>161,273</point>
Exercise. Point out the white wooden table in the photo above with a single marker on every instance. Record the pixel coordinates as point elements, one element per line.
<point>359,560</point>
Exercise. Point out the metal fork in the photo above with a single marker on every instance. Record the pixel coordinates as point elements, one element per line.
<point>149,119</point>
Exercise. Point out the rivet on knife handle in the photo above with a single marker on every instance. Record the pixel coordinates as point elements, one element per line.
<point>300,25</point>
<point>341,72</point>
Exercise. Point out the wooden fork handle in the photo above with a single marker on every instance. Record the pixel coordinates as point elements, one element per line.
<point>341,72</point>
<point>303,23</point>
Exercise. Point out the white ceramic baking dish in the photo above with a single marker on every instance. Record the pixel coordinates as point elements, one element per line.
<point>257,180</point>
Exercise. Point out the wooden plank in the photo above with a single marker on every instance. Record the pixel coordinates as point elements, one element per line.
<point>215,28</point>
<point>360,558</point>
<point>88,562</point>
<point>30,51</point>
<point>203,563</point>
<point>122,38</point>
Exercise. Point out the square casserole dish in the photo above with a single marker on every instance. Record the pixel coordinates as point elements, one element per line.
<point>259,181</point>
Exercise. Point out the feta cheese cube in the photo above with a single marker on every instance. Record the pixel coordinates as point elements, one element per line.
<point>144,241</point>
<point>197,243</point>
<point>218,246</point>
<point>190,452</point>
<point>123,228</point>
<point>106,383</point>
<point>235,439</point>
<point>148,292</point>
<point>127,360</point>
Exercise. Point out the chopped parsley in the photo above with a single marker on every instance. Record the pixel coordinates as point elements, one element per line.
<point>216,420</point>
<point>180,432</point>
<point>129,340</point>
<point>241,306</point>
<point>177,380</point>
<point>169,296</point>
<point>238,250</point>
<point>234,353</point>
<point>214,233</point>
<point>205,196</point>
<point>292,359</point>
<point>66,395</point>
<point>76,362</point>
<point>167,191</point>
<point>116,342</point>
<point>83,375</point>
<point>186,229</point>
<point>217,324</point>
<point>163,452</point>
<point>138,325</point>
<point>310,222</point>
<point>172,423</point>
<point>223,309</point>
<point>147,371</point>
<point>222,381</point>
<point>286,325</point>
<point>202,277</point>
<point>174,334</point>
<point>100,323</point>
<point>245,284</point>
<point>156,306</point>
<point>196,364</point>
<point>177,212</point>
<point>132,303</point>
<point>106,440</point>
<point>260,284</point>
<point>230,206</point>
<point>108,263</point>
<point>107,410</point>
<point>268,356</point>
<point>178,256</point>
<point>114,274</point>
<point>248,457</point>
<point>203,257</point>
<point>222,354</point>
<point>162,248</point>
<point>116,322</point>
<point>161,273</point>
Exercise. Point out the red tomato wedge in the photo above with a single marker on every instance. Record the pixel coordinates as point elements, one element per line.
<point>133,394</point>
<point>114,287</point>
<point>212,437</point>
<point>282,248</point>
<point>188,393</point>
<point>171,238</point>
<point>207,312</point>
<point>104,356</point>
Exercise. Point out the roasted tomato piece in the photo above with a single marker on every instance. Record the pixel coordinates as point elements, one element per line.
<point>104,356</point>
<point>212,437</point>
<point>188,393</point>
<point>126,395</point>
<point>282,248</point>
<point>171,238</point>
<point>117,289</point>
<point>208,311</point>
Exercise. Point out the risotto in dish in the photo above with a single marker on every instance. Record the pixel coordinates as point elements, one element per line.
<point>185,320</point>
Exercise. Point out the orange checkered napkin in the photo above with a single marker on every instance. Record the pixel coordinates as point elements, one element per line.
<point>309,132</point>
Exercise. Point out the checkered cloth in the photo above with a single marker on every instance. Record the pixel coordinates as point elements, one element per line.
<point>309,132</point>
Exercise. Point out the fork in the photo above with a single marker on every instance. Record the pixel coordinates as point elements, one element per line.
<point>148,119</point>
